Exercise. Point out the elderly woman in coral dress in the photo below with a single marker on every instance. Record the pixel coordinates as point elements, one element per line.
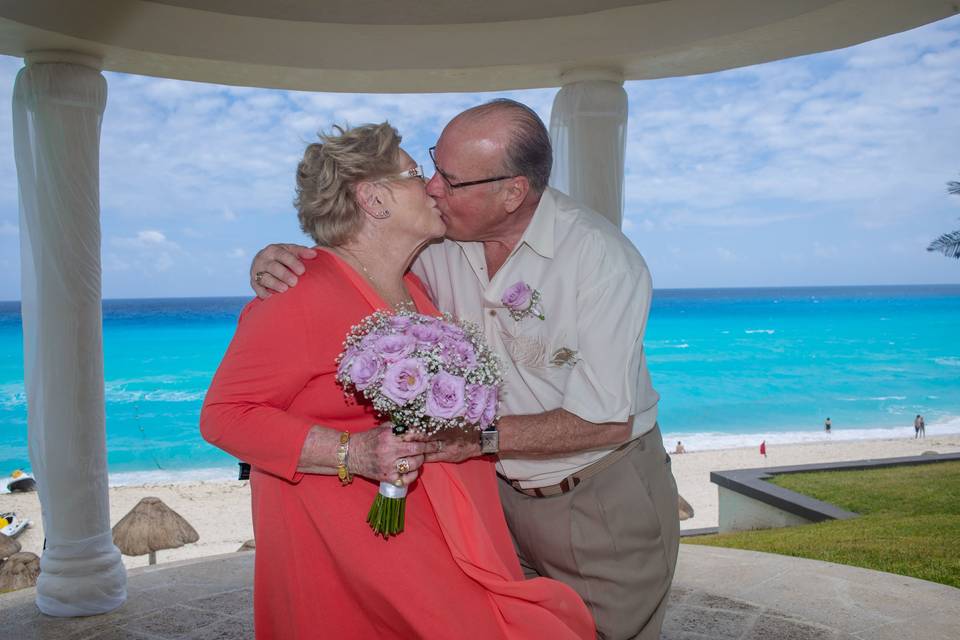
<point>317,456</point>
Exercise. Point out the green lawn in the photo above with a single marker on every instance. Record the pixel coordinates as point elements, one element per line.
<point>909,521</point>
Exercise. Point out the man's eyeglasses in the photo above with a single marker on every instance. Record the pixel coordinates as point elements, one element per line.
<point>416,172</point>
<point>459,185</point>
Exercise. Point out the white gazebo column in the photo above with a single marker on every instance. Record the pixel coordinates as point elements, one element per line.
<point>588,129</point>
<point>58,104</point>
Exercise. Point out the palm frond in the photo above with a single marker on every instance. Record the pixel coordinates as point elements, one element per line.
<point>953,187</point>
<point>948,244</point>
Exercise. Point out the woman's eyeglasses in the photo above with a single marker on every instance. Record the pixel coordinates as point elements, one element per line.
<point>416,172</point>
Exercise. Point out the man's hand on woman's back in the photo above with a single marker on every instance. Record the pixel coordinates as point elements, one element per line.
<point>275,268</point>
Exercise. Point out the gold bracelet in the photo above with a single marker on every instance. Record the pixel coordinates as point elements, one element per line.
<point>343,450</point>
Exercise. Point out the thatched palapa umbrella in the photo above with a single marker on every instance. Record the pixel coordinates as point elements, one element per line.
<point>249,545</point>
<point>19,571</point>
<point>684,508</point>
<point>8,546</point>
<point>150,526</point>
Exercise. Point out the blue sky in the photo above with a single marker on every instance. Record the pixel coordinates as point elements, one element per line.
<point>828,169</point>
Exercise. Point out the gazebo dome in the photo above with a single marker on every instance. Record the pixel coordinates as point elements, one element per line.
<point>445,45</point>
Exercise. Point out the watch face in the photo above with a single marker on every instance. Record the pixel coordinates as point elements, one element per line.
<point>489,441</point>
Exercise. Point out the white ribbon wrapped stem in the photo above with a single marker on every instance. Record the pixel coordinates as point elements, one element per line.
<point>389,490</point>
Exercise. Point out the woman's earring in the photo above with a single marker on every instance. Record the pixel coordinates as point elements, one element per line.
<point>381,214</point>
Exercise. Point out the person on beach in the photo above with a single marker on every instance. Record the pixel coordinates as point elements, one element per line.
<point>918,427</point>
<point>563,298</point>
<point>763,448</point>
<point>827,425</point>
<point>680,448</point>
<point>317,456</point>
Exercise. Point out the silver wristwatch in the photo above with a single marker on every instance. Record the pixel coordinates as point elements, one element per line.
<point>489,441</point>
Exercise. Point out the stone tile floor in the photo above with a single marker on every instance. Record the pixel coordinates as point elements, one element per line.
<point>718,594</point>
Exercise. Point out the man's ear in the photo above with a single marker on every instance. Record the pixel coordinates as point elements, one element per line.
<point>515,193</point>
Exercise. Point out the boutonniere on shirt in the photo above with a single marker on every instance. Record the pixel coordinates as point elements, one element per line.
<point>522,301</point>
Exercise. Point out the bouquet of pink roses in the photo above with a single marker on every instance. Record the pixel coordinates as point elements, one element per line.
<point>422,373</point>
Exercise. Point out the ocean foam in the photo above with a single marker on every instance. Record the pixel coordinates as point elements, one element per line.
<point>182,476</point>
<point>125,396</point>
<point>13,395</point>
<point>714,440</point>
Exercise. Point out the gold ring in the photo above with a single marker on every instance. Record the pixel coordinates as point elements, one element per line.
<point>403,466</point>
<point>398,482</point>
<point>259,276</point>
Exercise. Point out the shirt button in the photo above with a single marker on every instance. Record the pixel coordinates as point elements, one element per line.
<point>493,312</point>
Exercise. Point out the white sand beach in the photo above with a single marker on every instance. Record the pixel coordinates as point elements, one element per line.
<point>220,511</point>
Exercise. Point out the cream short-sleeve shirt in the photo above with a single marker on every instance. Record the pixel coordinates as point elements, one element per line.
<point>587,355</point>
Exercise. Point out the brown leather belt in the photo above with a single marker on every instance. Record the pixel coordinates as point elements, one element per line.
<point>571,481</point>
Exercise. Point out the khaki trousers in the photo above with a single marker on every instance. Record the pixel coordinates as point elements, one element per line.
<point>613,538</point>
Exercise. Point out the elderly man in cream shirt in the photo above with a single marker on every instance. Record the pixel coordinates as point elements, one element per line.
<point>585,481</point>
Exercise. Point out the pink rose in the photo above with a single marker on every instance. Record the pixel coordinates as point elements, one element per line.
<point>401,322</point>
<point>393,348</point>
<point>404,380</point>
<point>426,335</point>
<point>490,411</point>
<point>459,353</point>
<point>344,365</point>
<point>518,296</point>
<point>452,331</point>
<point>445,396</point>
<point>476,403</point>
<point>364,369</point>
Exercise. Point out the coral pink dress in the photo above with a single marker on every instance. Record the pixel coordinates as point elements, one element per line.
<point>320,571</point>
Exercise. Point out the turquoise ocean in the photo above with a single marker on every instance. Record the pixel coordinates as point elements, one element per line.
<point>733,367</point>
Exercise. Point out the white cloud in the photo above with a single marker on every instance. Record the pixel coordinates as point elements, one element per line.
<point>113,262</point>
<point>726,255</point>
<point>163,262</point>
<point>724,219</point>
<point>237,252</point>
<point>146,239</point>
<point>818,129</point>
<point>821,250</point>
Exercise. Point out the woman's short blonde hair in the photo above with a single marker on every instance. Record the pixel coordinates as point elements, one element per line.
<point>326,176</point>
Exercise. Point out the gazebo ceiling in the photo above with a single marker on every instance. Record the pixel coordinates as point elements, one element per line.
<point>445,45</point>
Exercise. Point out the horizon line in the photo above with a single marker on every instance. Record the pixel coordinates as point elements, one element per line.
<point>655,289</point>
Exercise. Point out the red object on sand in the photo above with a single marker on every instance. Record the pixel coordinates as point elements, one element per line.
<point>763,448</point>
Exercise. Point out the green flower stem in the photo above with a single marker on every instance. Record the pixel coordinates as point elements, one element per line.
<point>386,516</point>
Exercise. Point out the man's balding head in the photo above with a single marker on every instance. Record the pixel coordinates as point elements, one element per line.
<point>525,139</point>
